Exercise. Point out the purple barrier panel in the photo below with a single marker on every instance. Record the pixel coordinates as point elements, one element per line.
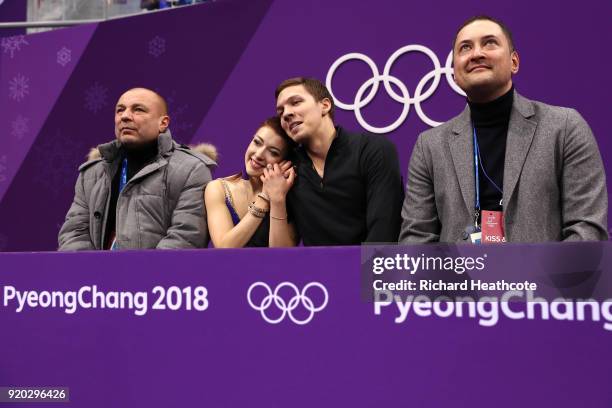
<point>346,353</point>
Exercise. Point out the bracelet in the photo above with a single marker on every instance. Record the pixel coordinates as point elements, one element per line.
<point>256,211</point>
<point>278,218</point>
<point>263,196</point>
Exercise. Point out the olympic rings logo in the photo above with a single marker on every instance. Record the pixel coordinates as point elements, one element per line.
<point>287,307</point>
<point>387,79</point>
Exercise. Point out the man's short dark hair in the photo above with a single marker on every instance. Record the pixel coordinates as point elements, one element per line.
<point>501,25</point>
<point>313,86</point>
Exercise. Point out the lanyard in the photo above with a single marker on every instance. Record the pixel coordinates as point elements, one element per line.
<point>477,165</point>
<point>122,183</point>
<point>123,179</point>
<point>477,178</point>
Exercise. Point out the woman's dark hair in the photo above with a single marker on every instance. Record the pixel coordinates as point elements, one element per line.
<point>274,123</point>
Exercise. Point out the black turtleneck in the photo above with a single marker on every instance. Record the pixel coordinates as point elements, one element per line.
<point>491,121</point>
<point>137,158</point>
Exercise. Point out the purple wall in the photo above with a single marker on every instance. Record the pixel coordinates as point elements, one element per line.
<point>218,65</point>
<point>12,11</point>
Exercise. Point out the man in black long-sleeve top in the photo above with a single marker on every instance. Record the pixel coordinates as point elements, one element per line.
<point>349,188</point>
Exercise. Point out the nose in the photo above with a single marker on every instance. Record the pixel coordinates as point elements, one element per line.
<point>477,52</point>
<point>259,153</point>
<point>126,115</point>
<point>287,114</point>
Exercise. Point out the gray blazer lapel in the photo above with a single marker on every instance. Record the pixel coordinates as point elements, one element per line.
<point>520,135</point>
<point>462,152</point>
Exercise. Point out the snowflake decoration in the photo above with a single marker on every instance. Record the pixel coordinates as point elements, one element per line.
<point>3,169</point>
<point>157,46</point>
<point>19,127</point>
<point>64,56</point>
<point>57,165</point>
<point>95,98</point>
<point>177,115</point>
<point>19,87</point>
<point>13,44</point>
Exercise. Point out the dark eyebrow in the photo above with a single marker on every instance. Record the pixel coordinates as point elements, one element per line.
<point>464,42</point>
<point>274,149</point>
<point>279,108</point>
<point>488,37</point>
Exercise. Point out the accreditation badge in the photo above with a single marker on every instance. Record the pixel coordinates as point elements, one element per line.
<point>472,231</point>
<point>492,226</point>
<point>476,237</point>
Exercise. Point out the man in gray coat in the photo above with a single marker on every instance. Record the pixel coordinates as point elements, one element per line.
<point>144,190</point>
<point>530,171</point>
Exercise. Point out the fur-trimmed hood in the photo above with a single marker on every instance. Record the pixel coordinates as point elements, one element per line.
<point>206,149</point>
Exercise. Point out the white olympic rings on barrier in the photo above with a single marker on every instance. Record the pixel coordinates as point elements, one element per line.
<point>387,79</point>
<point>287,308</point>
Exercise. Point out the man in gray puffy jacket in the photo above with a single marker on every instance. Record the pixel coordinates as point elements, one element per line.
<point>144,190</point>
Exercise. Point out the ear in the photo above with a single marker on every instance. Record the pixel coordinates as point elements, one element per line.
<point>164,122</point>
<point>515,62</point>
<point>325,106</point>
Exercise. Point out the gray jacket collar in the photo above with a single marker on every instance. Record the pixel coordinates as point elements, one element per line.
<point>521,129</point>
<point>110,151</point>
